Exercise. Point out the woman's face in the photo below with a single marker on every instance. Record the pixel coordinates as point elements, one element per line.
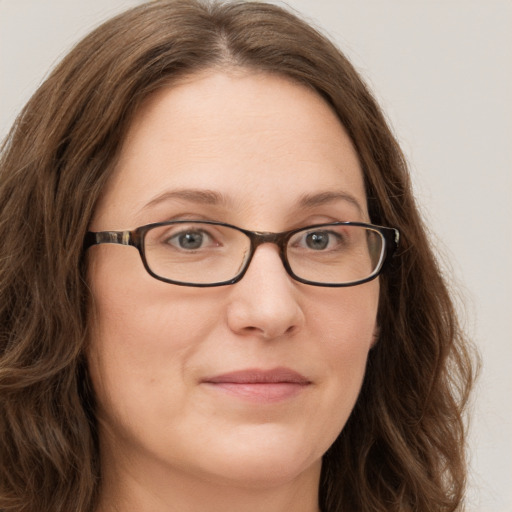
<point>179,372</point>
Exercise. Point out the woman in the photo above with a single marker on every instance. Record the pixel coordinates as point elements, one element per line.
<point>277,337</point>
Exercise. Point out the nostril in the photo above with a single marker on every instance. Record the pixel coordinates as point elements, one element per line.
<point>291,329</point>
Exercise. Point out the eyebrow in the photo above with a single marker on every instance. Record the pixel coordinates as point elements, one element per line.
<point>199,196</point>
<point>323,198</point>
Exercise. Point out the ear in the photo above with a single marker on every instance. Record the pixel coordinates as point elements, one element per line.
<point>375,336</point>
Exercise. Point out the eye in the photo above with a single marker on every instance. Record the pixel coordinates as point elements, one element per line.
<point>318,240</point>
<point>191,240</point>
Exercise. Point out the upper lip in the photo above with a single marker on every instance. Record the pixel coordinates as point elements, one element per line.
<point>259,376</point>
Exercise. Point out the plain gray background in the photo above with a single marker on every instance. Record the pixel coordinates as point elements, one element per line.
<point>442,71</point>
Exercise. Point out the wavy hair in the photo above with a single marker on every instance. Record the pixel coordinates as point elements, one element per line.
<point>403,447</point>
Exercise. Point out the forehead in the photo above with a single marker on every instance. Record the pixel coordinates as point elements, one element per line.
<point>257,140</point>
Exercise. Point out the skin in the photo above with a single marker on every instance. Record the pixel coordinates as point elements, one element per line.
<point>169,442</point>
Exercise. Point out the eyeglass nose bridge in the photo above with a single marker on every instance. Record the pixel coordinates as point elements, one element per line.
<point>258,238</point>
<point>265,237</point>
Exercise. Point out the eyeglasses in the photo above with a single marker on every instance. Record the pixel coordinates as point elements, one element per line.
<point>208,253</point>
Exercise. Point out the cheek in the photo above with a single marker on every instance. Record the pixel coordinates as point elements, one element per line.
<point>137,310</point>
<point>346,328</point>
<point>144,334</point>
<point>347,320</point>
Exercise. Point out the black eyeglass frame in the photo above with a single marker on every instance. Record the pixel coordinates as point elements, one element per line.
<point>136,236</point>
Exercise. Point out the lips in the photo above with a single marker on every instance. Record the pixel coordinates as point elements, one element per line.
<point>260,385</point>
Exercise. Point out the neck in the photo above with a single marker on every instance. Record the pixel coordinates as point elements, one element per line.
<point>130,488</point>
<point>184,494</point>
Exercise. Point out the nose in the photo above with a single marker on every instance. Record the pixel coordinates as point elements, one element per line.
<point>266,302</point>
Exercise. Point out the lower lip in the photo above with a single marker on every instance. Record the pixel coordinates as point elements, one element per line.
<point>260,392</point>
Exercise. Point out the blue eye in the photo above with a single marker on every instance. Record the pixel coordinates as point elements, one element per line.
<point>317,241</point>
<point>190,240</point>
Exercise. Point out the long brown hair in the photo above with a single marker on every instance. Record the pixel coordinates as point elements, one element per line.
<point>403,446</point>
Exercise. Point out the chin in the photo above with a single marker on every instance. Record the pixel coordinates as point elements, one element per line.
<point>262,460</point>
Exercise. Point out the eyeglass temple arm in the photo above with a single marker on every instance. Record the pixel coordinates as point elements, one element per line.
<point>393,239</point>
<point>107,237</point>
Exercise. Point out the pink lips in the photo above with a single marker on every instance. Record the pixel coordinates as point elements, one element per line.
<point>260,385</point>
